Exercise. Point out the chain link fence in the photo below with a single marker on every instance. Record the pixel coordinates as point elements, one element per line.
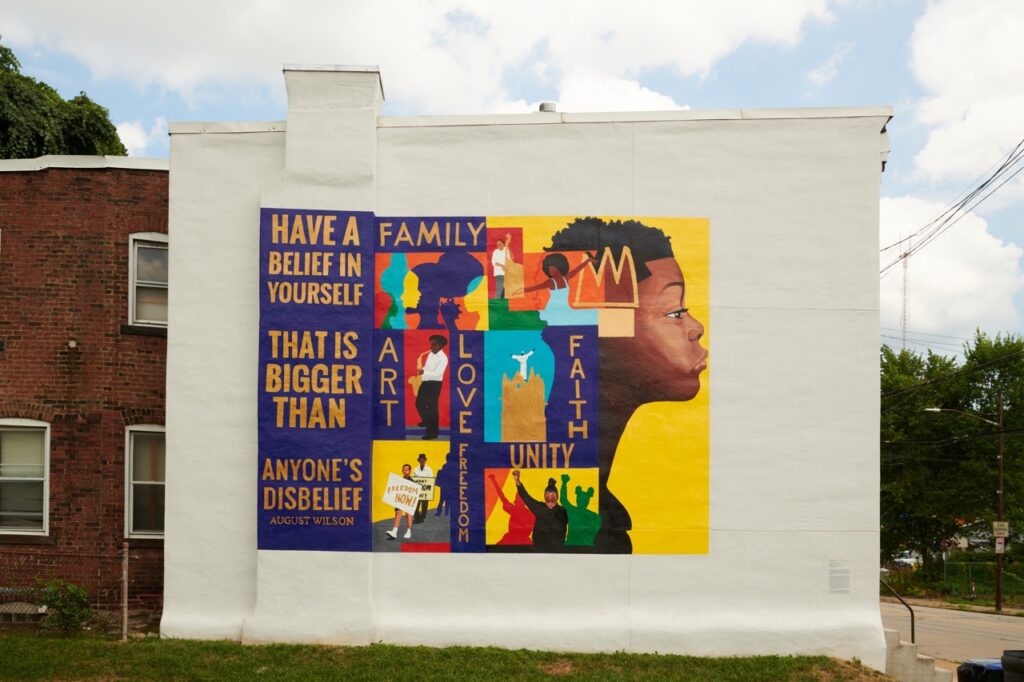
<point>19,605</point>
<point>973,579</point>
<point>106,577</point>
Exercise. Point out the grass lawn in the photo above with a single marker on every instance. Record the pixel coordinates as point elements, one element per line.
<point>37,655</point>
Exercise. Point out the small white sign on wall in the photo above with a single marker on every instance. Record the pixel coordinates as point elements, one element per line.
<point>839,576</point>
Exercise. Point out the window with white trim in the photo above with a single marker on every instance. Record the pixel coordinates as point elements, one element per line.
<point>24,476</point>
<point>147,291</point>
<point>144,460</point>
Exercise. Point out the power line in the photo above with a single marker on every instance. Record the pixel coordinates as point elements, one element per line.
<point>960,208</point>
<point>971,189</point>
<point>925,342</point>
<point>953,375</point>
<point>915,460</point>
<point>936,233</point>
<point>942,442</point>
<point>917,333</point>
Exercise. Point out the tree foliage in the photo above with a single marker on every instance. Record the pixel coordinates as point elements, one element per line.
<point>35,120</point>
<point>67,605</point>
<point>939,470</point>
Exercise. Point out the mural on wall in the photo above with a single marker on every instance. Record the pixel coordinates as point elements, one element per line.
<point>483,384</point>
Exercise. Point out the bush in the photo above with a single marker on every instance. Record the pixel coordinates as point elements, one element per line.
<point>67,606</point>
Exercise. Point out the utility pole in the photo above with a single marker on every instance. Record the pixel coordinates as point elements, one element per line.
<point>999,486</point>
<point>999,512</point>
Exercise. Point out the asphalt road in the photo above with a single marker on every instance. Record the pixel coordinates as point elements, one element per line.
<point>956,635</point>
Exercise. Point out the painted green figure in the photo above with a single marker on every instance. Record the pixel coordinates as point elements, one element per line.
<point>583,523</point>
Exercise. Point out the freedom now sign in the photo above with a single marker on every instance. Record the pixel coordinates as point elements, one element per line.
<point>402,493</point>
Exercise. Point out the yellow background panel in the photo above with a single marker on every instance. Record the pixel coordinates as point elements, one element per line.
<point>388,458</point>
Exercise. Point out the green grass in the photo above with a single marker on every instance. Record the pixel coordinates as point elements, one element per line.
<point>32,655</point>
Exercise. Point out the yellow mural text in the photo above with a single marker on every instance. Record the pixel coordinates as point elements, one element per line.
<point>392,236</point>
<point>319,384</point>
<point>577,426</point>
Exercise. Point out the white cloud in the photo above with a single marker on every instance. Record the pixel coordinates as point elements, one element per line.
<point>969,56</point>
<point>827,71</point>
<point>584,89</point>
<point>435,55</point>
<point>138,140</point>
<point>965,279</point>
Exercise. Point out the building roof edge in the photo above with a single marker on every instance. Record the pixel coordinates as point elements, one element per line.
<point>74,161</point>
<point>540,118</point>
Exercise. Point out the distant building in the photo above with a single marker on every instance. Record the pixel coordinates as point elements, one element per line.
<point>83,327</point>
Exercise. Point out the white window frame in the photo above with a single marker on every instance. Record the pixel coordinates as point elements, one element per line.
<point>45,427</point>
<point>134,240</point>
<point>129,484</point>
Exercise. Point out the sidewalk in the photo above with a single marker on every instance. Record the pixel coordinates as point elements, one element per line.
<point>952,633</point>
<point>940,604</point>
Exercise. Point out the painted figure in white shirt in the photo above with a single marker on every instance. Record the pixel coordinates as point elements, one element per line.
<point>430,389</point>
<point>498,258</point>
<point>421,471</point>
<point>522,358</point>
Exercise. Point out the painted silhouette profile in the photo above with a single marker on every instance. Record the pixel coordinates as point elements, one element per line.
<point>388,313</point>
<point>447,476</point>
<point>449,278</point>
<point>449,313</point>
<point>665,336</point>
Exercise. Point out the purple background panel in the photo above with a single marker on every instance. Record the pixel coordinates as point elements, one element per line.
<point>350,446</point>
<point>468,532</point>
<point>388,385</point>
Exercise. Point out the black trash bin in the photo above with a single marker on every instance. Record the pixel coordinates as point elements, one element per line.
<point>1013,665</point>
<point>980,670</point>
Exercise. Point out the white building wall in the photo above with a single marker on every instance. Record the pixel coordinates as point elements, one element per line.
<point>792,198</point>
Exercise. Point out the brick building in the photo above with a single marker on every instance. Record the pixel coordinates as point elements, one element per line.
<point>83,340</point>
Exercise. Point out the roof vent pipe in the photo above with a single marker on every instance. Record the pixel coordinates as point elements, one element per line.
<point>548,107</point>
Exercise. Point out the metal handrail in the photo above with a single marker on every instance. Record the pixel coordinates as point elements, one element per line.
<point>897,595</point>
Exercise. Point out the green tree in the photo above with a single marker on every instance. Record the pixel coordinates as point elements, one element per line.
<point>918,467</point>
<point>997,368</point>
<point>939,469</point>
<point>36,120</point>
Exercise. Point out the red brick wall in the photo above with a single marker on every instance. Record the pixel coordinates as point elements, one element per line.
<point>63,276</point>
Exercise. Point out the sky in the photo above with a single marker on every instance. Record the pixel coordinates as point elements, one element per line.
<point>953,71</point>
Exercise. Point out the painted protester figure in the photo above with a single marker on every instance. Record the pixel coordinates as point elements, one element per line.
<point>399,514</point>
<point>521,520</point>
<point>422,470</point>
<point>552,520</point>
<point>665,335</point>
<point>583,523</point>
